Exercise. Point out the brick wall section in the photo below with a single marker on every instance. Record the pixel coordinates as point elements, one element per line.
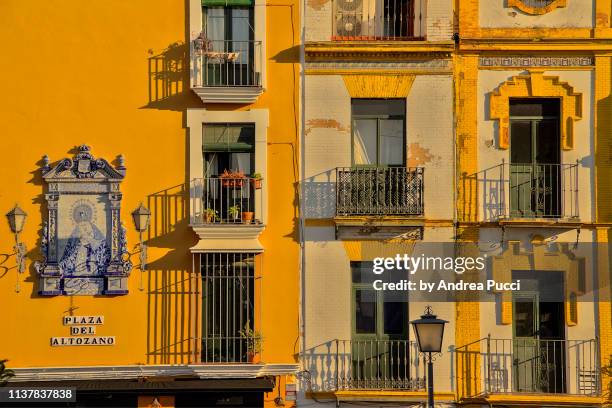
<point>439,20</point>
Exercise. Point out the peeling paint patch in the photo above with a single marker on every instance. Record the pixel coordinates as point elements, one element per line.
<point>418,155</point>
<point>602,19</point>
<point>317,4</point>
<point>324,124</point>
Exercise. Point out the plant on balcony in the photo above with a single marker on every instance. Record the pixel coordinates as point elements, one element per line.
<point>256,180</point>
<point>202,45</point>
<point>607,375</point>
<point>232,179</point>
<point>209,215</point>
<point>254,342</point>
<point>5,373</point>
<point>234,212</point>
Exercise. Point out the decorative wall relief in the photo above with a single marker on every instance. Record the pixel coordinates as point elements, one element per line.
<point>83,240</point>
<point>537,7</point>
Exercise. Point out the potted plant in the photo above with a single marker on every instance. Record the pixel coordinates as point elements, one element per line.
<point>233,212</point>
<point>232,179</point>
<point>210,215</point>
<point>5,373</point>
<point>247,216</point>
<point>256,180</point>
<point>254,341</point>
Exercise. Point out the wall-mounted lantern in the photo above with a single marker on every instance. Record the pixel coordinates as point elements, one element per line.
<point>16,219</point>
<point>142,216</point>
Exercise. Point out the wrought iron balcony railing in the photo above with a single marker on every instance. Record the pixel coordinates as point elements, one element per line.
<point>226,63</point>
<point>379,365</point>
<point>514,191</point>
<point>226,200</point>
<point>378,20</point>
<point>526,365</point>
<point>379,191</point>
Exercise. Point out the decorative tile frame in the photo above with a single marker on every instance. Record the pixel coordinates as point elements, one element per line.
<point>83,241</point>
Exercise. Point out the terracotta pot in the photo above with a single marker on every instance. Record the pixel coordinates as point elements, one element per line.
<point>232,183</point>
<point>256,183</point>
<point>247,217</point>
<point>209,218</point>
<point>253,357</point>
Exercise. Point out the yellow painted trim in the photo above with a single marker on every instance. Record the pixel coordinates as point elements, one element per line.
<point>382,71</point>
<point>378,86</point>
<point>520,5</point>
<point>537,399</point>
<point>603,8</point>
<point>392,395</point>
<point>536,84</point>
<point>570,34</point>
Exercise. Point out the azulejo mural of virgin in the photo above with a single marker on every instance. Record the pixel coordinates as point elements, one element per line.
<point>83,243</point>
<point>86,252</point>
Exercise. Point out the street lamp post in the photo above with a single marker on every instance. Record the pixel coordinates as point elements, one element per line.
<point>16,218</point>
<point>141,217</point>
<point>429,331</point>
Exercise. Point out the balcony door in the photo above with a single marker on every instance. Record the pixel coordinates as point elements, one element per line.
<point>539,336</point>
<point>229,60</point>
<point>380,347</point>
<point>535,170</point>
<point>228,148</point>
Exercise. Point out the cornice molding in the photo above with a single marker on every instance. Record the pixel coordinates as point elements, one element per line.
<point>203,371</point>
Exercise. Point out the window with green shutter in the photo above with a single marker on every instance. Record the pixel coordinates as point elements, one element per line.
<point>229,147</point>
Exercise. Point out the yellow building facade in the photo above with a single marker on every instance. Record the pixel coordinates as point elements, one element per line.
<point>140,98</point>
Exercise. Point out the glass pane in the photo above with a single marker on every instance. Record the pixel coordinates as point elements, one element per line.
<point>552,320</point>
<point>365,311</point>
<point>241,162</point>
<point>547,142</point>
<point>395,313</point>
<point>534,107</point>
<point>391,142</point>
<point>215,26</point>
<point>241,34</point>
<point>520,141</point>
<point>524,313</point>
<point>362,272</point>
<point>364,141</point>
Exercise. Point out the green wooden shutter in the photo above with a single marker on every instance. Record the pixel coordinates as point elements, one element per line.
<point>229,138</point>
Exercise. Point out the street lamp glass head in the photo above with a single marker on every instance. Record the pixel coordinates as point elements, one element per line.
<point>16,219</point>
<point>429,331</point>
<point>141,216</point>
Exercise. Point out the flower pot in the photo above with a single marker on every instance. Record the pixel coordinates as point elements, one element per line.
<point>209,218</point>
<point>247,217</point>
<point>232,183</point>
<point>253,357</point>
<point>256,183</point>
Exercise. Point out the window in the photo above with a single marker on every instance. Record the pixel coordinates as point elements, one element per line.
<point>228,147</point>
<point>230,54</point>
<point>381,315</point>
<point>228,306</point>
<point>379,132</point>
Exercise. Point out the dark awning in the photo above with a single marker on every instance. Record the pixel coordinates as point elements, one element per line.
<point>247,384</point>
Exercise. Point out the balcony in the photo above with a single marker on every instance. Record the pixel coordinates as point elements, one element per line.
<point>524,191</point>
<point>361,365</point>
<point>226,71</point>
<point>391,191</point>
<point>226,200</point>
<point>378,20</point>
<point>524,365</point>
